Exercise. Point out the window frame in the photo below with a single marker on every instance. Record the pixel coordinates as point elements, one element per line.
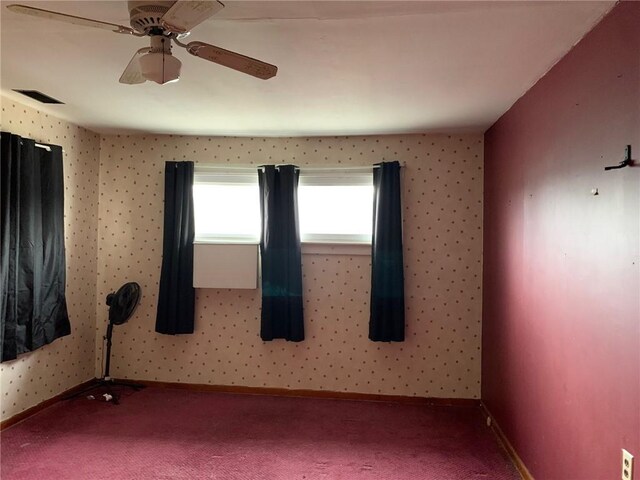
<point>215,175</point>
<point>336,177</point>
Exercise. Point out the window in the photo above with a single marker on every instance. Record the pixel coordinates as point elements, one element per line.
<point>334,206</point>
<point>227,206</point>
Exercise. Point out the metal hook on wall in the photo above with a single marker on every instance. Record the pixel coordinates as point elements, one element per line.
<point>624,163</point>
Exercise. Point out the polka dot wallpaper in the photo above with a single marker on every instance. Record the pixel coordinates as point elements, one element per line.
<point>442,195</point>
<point>42,374</point>
<point>113,230</point>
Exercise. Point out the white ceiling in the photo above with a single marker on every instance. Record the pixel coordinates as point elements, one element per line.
<point>344,67</point>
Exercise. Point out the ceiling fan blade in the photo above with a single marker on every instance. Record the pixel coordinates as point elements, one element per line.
<point>238,62</point>
<point>186,14</point>
<point>133,74</point>
<point>63,17</point>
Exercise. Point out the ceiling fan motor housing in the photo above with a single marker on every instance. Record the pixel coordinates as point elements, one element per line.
<point>146,15</point>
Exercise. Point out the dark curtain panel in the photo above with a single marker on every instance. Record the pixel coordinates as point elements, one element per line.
<point>32,259</point>
<point>176,299</point>
<point>280,254</point>
<point>386,323</point>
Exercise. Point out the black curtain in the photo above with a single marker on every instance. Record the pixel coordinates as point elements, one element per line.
<point>176,298</point>
<point>280,254</point>
<point>32,259</point>
<point>386,322</point>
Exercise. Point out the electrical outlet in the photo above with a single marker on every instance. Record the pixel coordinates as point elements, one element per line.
<point>627,465</point>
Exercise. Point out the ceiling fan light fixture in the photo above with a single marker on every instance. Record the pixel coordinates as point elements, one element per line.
<point>160,67</point>
<point>164,21</point>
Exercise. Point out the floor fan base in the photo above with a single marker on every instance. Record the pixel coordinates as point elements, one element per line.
<point>121,306</point>
<point>106,384</point>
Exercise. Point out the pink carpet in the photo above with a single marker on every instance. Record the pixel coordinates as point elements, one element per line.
<point>177,434</point>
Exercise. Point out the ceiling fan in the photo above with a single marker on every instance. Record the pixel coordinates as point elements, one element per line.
<point>165,22</point>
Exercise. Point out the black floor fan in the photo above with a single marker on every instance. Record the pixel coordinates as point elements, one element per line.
<point>121,306</point>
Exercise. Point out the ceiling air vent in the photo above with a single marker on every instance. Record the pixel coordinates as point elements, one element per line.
<point>38,96</point>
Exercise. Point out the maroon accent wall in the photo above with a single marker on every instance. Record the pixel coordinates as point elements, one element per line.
<point>561,315</point>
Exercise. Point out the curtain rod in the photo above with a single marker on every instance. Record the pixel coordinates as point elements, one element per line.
<point>340,167</point>
<point>253,168</point>
<point>46,147</point>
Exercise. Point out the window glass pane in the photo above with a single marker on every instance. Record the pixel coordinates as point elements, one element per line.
<point>227,211</point>
<point>336,212</point>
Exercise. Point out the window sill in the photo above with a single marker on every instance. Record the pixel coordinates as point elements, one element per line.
<point>204,241</point>
<point>308,248</point>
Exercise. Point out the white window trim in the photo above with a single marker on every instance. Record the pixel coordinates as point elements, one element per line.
<point>223,175</point>
<point>226,240</point>
<point>336,176</point>
<point>307,248</point>
<point>325,177</point>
